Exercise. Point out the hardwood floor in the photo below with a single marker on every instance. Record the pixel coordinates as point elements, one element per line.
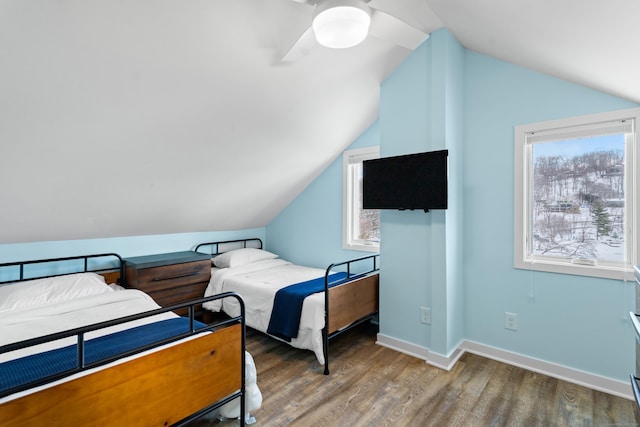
<point>371,385</point>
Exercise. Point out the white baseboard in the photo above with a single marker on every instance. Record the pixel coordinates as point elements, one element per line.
<point>435,359</point>
<point>403,346</point>
<point>445,362</point>
<point>575,376</point>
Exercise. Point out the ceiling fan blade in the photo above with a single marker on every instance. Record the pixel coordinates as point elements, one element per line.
<point>301,47</point>
<point>387,27</point>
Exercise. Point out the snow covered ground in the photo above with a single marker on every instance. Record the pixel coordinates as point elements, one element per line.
<point>577,238</point>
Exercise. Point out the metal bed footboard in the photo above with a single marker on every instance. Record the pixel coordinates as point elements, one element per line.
<point>374,269</point>
<point>81,366</point>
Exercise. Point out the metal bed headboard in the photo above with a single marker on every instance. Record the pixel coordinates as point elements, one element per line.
<point>52,267</point>
<point>230,245</point>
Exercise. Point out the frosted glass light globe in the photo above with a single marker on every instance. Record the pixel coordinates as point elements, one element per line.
<point>342,23</point>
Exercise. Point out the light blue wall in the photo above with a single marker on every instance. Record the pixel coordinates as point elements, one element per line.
<point>450,82</point>
<point>309,230</point>
<point>405,121</point>
<point>422,110</point>
<point>444,96</point>
<point>571,320</point>
<point>124,246</point>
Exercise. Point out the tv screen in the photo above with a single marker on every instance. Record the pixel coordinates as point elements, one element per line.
<point>413,181</point>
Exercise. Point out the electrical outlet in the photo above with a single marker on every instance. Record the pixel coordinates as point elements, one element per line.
<point>511,321</point>
<point>425,315</point>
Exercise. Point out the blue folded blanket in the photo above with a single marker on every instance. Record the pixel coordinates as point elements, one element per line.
<point>287,305</point>
<point>21,371</point>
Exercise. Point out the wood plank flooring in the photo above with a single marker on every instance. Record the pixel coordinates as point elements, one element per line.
<point>371,385</point>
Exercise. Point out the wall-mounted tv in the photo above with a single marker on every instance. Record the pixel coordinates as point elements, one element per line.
<point>412,181</point>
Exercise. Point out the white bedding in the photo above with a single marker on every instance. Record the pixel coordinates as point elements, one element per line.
<point>50,290</point>
<point>18,325</point>
<point>257,284</point>
<point>77,310</point>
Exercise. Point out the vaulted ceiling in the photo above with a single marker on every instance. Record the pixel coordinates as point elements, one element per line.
<point>133,117</point>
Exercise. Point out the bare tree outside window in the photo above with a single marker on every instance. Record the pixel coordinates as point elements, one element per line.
<point>370,225</point>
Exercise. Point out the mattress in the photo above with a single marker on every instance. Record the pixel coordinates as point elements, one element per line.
<point>257,283</point>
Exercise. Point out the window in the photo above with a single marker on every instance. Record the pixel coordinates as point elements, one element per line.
<point>361,227</point>
<point>576,203</point>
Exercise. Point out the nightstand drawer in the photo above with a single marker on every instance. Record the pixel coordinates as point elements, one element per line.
<point>171,276</point>
<point>169,296</point>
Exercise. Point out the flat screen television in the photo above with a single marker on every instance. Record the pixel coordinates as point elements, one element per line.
<point>412,181</point>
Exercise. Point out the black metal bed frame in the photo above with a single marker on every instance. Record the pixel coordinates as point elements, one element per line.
<point>22,264</point>
<point>80,333</point>
<point>327,284</point>
<point>243,243</point>
<point>236,244</point>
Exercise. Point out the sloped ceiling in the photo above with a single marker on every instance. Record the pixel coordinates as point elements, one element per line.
<point>590,42</point>
<point>134,117</point>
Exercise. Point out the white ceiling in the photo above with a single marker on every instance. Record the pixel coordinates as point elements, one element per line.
<point>133,117</point>
<point>590,42</point>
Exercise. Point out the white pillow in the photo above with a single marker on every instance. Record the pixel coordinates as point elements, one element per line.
<point>238,257</point>
<point>49,290</point>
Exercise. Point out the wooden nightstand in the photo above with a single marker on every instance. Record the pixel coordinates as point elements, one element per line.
<point>170,278</point>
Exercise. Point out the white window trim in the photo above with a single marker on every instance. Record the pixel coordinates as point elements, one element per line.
<point>347,196</point>
<point>522,208</point>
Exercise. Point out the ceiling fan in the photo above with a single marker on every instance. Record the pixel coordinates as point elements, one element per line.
<point>345,23</point>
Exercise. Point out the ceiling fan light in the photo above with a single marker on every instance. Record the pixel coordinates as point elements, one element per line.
<point>341,24</point>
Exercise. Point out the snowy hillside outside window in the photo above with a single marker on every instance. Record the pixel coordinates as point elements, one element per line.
<point>361,227</point>
<point>575,195</point>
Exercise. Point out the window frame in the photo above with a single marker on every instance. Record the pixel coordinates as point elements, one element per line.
<point>523,165</point>
<point>348,199</point>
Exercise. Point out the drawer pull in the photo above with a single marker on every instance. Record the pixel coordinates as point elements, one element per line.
<point>179,276</point>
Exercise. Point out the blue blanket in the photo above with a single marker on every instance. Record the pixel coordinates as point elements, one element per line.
<point>21,371</point>
<point>287,305</point>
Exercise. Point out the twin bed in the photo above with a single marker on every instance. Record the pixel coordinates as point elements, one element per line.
<point>77,349</point>
<point>303,306</point>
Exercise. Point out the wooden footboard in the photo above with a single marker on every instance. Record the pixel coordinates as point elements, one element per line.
<point>159,388</point>
<point>352,301</point>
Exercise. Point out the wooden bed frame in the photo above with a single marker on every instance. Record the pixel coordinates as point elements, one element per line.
<point>169,386</point>
<point>346,305</point>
